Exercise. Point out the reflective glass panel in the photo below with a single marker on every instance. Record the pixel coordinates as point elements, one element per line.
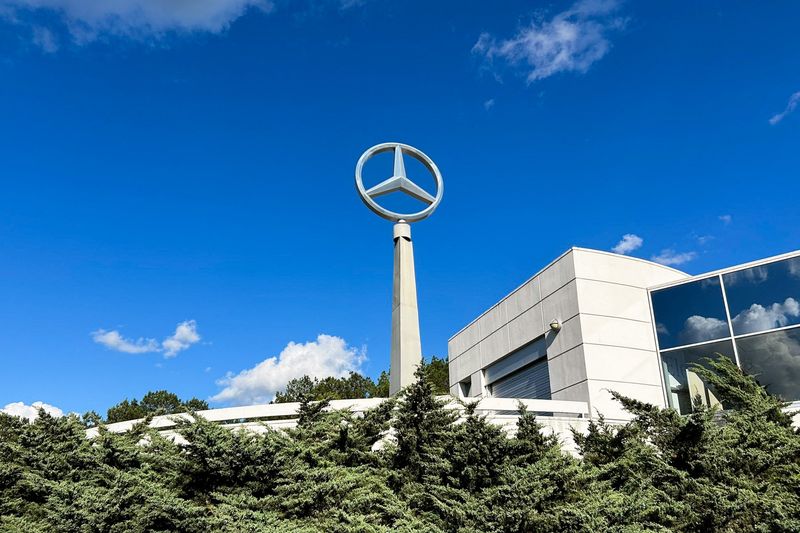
<point>690,313</point>
<point>683,385</point>
<point>774,359</point>
<point>764,297</point>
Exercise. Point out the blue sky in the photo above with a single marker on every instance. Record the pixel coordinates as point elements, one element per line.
<point>169,165</point>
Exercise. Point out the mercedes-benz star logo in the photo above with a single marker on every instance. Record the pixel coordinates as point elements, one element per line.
<point>399,182</point>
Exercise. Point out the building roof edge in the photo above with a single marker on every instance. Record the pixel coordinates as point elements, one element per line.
<point>551,263</point>
<point>725,270</point>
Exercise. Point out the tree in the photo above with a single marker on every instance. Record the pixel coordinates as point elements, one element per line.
<point>423,431</point>
<point>195,404</point>
<point>540,488</point>
<point>412,464</point>
<point>296,390</point>
<point>737,470</point>
<point>153,403</point>
<point>438,374</point>
<point>477,453</point>
<point>354,385</point>
<point>161,402</point>
<point>91,419</point>
<point>382,386</point>
<point>125,410</point>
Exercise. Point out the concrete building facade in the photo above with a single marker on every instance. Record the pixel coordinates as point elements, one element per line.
<point>591,322</point>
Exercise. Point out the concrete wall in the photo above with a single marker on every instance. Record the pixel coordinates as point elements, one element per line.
<point>617,337</point>
<point>606,341</point>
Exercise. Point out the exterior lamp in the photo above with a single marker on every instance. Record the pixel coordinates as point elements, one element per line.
<point>555,325</point>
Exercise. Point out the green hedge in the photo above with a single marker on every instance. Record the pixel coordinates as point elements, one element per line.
<point>737,471</point>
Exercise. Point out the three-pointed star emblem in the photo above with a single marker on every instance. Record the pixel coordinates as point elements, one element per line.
<point>400,182</point>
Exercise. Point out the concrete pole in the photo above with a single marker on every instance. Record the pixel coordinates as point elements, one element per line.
<point>406,353</point>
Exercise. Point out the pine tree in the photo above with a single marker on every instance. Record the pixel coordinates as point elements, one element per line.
<point>478,453</point>
<point>414,465</point>
<point>423,432</point>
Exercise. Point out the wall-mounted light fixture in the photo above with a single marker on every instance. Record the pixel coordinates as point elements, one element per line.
<point>555,325</point>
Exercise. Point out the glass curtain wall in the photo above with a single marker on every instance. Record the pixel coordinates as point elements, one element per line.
<point>750,315</point>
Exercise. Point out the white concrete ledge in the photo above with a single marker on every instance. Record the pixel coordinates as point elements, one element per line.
<point>281,415</point>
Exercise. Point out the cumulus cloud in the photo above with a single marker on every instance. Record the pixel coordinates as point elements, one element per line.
<point>760,318</point>
<point>726,219</point>
<point>774,359</point>
<point>755,318</point>
<point>327,356</point>
<point>31,412</point>
<point>347,4</point>
<point>794,267</point>
<point>185,336</point>
<point>755,275</point>
<point>569,42</point>
<point>701,328</point>
<point>86,20</point>
<point>45,39</point>
<point>113,340</point>
<point>670,257</point>
<point>790,107</point>
<point>628,244</point>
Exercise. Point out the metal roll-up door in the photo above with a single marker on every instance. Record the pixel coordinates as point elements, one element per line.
<point>519,358</point>
<point>531,381</point>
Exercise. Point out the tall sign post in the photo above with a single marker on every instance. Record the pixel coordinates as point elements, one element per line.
<point>406,350</point>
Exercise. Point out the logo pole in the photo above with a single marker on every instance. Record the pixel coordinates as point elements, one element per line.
<point>406,348</point>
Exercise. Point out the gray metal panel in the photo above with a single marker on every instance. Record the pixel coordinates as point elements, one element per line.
<point>516,360</point>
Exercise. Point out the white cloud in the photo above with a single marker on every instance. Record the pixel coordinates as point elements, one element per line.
<point>185,335</point>
<point>670,257</point>
<point>113,340</point>
<point>726,219</point>
<point>31,412</point>
<point>488,104</point>
<point>44,39</point>
<point>755,318</point>
<point>569,42</point>
<point>627,244</point>
<point>775,361</point>
<point>760,318</point>
<point>754,275</point>
<point>700,328</point>
<point>790,107</point>
<point>794,267</point>
<point>348,4</point>
<point>86,20</point>
<point>327,356</point>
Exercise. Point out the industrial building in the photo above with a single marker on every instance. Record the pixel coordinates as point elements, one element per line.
<point>591,322</point>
